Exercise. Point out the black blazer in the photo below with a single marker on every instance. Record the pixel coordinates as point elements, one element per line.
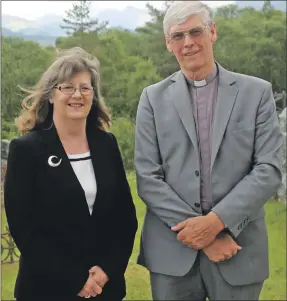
<point>49,219</point>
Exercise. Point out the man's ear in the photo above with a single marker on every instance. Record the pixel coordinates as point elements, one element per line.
<point>213,33</point>
<point>168,46</point>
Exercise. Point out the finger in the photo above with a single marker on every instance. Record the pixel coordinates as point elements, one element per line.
<point>88,291</point>
<point>96,288</point>
<point>94,269</point>
<point>81,293</point>
<point>239,248</point>
<point>179,226</point>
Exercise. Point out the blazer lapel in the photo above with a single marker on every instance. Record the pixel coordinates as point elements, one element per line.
<point>227,93</point>
<point>98,155</point>
<point>181,99</point>
<point>61,170</point>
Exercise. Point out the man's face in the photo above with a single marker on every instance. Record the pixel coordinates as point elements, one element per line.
<point>191,42</point>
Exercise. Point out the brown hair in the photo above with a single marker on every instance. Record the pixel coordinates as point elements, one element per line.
<point>36,108</point>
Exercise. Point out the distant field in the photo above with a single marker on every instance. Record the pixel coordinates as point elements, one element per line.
<point>137,277</point>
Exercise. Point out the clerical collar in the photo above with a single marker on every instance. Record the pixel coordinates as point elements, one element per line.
<point>201,83</point>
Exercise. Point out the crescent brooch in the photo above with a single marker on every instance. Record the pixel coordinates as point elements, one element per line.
<point>51,163</point>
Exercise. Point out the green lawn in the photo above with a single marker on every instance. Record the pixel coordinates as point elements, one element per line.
<point>137,277</point>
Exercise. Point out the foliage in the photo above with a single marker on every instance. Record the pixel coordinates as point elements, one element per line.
<point>9,130</point>
<point>23,62</point>
<point>253,42</point>
<point>124,129</point>
<point>78,20</point>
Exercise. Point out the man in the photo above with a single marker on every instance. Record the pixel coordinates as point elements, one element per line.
<point>207,155</point>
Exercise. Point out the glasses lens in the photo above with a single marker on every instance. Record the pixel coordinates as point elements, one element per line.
<point>67,89</point>
<point>177,36</point>
<point>86,90</point>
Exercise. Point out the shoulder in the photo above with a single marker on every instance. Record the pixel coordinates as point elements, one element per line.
<point>160,86</point>
<point>245,80</point>
<point>28,141</point>
<point>107,137</point>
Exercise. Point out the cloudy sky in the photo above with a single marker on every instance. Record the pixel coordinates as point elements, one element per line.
<point>34,9</point>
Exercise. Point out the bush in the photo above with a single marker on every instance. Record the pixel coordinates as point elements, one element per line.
<point>9,130</point>
<point>124,130</point>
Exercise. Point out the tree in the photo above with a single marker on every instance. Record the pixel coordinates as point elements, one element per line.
<point>78,20</point>
<point>153,42</point>
<point>23,62</point>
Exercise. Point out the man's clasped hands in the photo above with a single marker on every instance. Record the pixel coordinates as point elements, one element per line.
<point>204,233</point>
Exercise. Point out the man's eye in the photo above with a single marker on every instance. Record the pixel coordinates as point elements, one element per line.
<point>178,36</point>
<point>195,32</point>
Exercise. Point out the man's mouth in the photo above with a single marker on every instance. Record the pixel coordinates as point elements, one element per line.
<point>191,53</point>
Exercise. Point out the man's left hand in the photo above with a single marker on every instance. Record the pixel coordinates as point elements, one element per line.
<point>199,232</point>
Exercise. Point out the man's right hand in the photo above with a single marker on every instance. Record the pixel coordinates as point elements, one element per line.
<point>91,288</point>
<point>223,248</point>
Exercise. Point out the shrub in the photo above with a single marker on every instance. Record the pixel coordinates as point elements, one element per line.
<point>124,130</point>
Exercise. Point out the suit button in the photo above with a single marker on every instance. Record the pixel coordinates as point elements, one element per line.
<point>197,173</point>
<point>197,205</point>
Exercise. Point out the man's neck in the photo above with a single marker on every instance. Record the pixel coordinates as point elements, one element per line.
<point>200,74</point>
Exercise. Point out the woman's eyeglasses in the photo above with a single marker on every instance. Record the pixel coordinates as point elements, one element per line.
<point>70,90</point>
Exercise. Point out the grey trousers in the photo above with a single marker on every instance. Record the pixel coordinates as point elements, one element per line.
<point>203,281</point>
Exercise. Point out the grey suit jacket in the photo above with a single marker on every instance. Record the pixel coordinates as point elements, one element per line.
<point>245,171</point>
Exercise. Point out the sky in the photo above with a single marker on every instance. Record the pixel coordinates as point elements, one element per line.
<point>32,10</point>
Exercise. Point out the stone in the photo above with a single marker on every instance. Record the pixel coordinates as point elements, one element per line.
<point>4,148</point>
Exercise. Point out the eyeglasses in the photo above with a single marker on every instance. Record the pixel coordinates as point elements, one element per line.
<point>70,90</point>
<point>194,33</point>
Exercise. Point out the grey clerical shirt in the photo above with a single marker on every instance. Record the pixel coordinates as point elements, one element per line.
<point>203,100</point>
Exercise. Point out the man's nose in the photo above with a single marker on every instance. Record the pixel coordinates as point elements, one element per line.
<point>188,40</point>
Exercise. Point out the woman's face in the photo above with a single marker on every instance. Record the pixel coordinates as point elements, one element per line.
<point>73,99</point>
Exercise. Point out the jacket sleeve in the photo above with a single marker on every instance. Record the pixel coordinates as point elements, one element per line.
<point>19,203</point>
<point>123,223</point>
<point>157,194</point>
<point>253,191</point>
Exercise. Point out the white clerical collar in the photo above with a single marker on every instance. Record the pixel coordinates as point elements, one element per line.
<point>205,81</point>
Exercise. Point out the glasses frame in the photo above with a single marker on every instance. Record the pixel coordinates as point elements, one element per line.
<point>189,32</point>
<point>59,87</point>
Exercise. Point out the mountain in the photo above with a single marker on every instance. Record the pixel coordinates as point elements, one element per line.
<point>280,5</point>
<point>129,18</point>
<point>51,23</point>
<point>46,29</point>
<point>28,30</point>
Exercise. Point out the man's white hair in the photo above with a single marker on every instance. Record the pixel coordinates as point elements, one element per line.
<point>180,11</point>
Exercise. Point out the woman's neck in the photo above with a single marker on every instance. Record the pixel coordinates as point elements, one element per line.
<point>70,129</point>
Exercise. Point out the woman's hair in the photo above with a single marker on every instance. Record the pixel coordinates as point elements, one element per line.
<point>180,11</point>
<point>37,111</point>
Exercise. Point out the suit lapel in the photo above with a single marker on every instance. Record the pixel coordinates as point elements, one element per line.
<point>227,93</point>
<point>181,99</point>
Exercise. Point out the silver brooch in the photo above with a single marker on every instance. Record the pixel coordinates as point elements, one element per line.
<point>51,163</point>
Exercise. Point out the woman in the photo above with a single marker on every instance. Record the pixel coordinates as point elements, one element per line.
<point>67,199</point>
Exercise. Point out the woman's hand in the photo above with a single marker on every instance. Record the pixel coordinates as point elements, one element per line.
<point>99,276</point>
<point>91,288</point>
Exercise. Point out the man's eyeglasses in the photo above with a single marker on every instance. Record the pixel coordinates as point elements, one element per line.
<point>70,90</point>
<point>194,33</point>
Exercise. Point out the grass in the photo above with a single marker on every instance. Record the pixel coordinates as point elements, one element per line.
<point>138,286</point>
